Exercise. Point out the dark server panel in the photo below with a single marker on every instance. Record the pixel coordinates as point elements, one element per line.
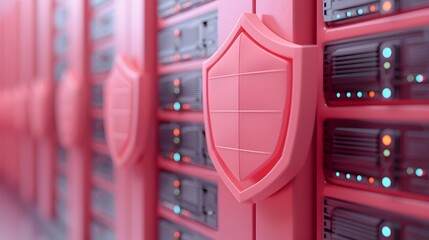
<point>345,11</point>
<point>98,133</point>
<point>186,143</point>
<point>171,231</point>
<point>100,231</point>
<point>102,166</point>
<point>61,190</point>
<point>102,60</point>
<point>181,91</point>
<point>381,69</point>
<point>97,95</point>
<point>189,197</point>
<point>103,26</point>
<point>384,155</point>
<point>102,202</point>
<point>343,220</point>
<point>101,57</point>
<point>193,39</point>
<point>167,8</point>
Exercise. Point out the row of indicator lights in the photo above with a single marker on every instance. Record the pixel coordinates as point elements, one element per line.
<point>177,106</point>
<point>386,140</point>
<point>418,172</point>
<point>386,93</point>
<point>359,12</point>
<point>359,178</point>
<point>386,181</point>
<point>178,210</point>
<point>419,78</point>
<point>176,185</point>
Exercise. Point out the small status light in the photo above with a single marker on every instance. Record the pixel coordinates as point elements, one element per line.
<point>360,11</point>
<point>348,94</point>
<point>387,93</point>
<point>338,16</point>
<point>371,94</point>
<point>176,235</point>
<point>338,95</point>
<point>372,8</point>
<point>410,170</point>
<point>371,180</point>
<point>349,14</point>
<point>176,132</point>
<point>177,209</point>
<point>419,172</point>
<point>176,82</point>
<point>386,140</point>
<point>386,153</point>
<point>177,106</point>
<point>386,182</point>
<point>386,231</point>
<point>410,78</point>
<point>359,178</point>
<point>359,94</point>
<point>420,78</point>
<point>386,65</point>
<point>176,183</point>
<point>176,140</point>
<point>337,174</point>
<point>177,32</point>
<point>176,191</point>
<point>177,157</point>
<point>176,90</point>
<point>348,176</point>
<point>387,6</point>
<point>387,52</point>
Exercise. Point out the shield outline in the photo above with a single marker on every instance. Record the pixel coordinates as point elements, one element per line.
<point>302,111</point>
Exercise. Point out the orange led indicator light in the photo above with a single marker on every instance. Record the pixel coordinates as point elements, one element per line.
<point>387,6</point>
<point>176,235</point>
<point>176,82</point>
<point>176,183</point>
<point>187,159</point>
<point>176,132</point>
<point>186,106</point>
<point>372,8</point>
<point>371,94</point>
<point>387,140</point>
<point>371,180</point>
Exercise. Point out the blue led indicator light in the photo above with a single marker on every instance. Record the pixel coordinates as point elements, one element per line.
<point>177,106</point>
<point>419,172</point>
<point>177,157</point>
<point>387,52</point>
<point>386,182</point>
<point>177,209</point>
<point>338,16</point>
<point>348,176</point>
<point>349,14</point>
<point>419,78</point>
<point>359,94</point>
<point>348,94</point>
<point>359,178</point>
<point>387,93</point>
<point>360,11</point>
<point>338,95</point>
<point>386,231</point>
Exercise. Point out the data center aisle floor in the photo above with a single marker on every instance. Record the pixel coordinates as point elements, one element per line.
<point>15,222</point>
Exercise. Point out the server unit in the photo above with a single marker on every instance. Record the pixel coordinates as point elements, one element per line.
<point>343,220</point>
<point>381,155</point>
<point>189,197</point>
<point>383,69</point>
<point>184,142</point>
<point>340,11</point>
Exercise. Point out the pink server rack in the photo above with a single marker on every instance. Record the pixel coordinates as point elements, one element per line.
<point>372,127</point>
